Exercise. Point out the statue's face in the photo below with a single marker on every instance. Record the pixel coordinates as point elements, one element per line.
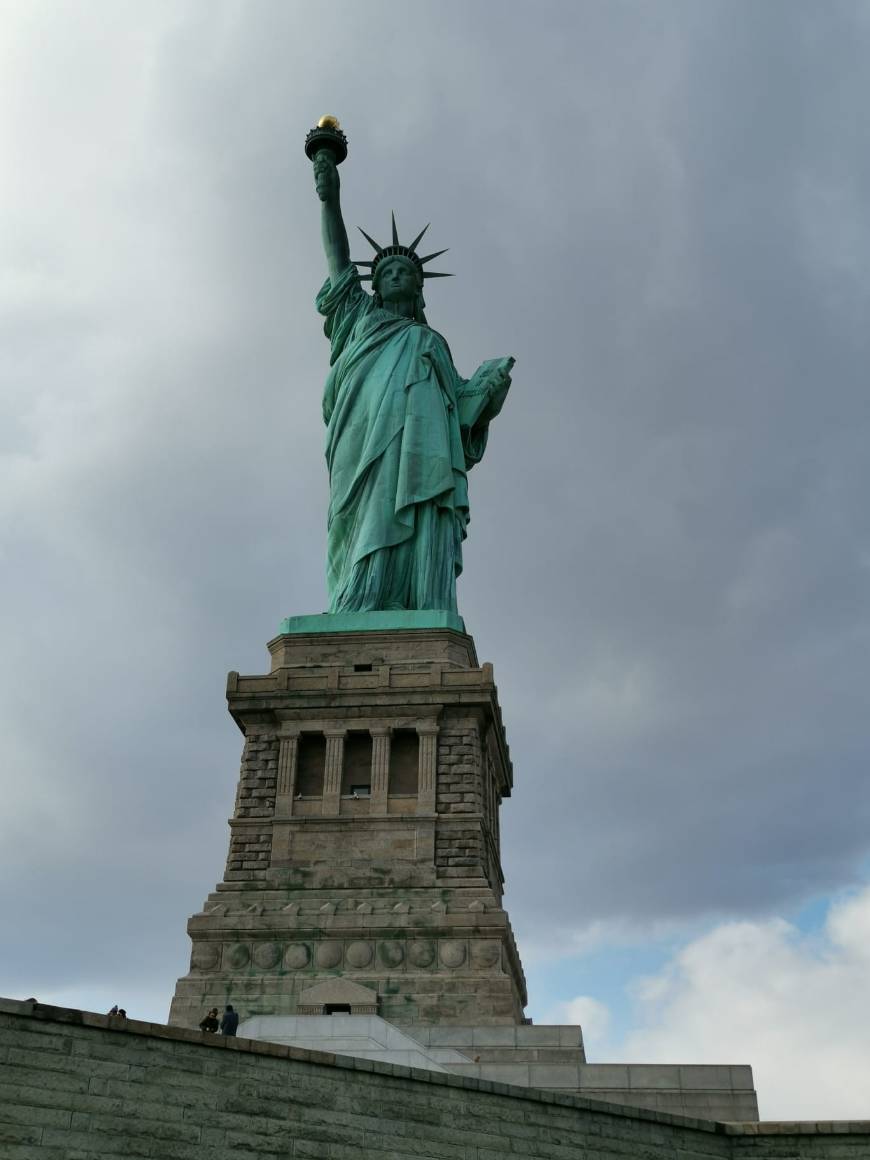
<point>397,280</point>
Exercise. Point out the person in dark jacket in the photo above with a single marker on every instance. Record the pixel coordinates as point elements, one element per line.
<point>210,1023</point>
<point>230,1021</point>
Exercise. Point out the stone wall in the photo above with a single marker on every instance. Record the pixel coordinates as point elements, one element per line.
<point>458,852</point>
<point>800,1140</point>
<point>467,791</point>
<point>75,1085</point>
<point>250,849</point>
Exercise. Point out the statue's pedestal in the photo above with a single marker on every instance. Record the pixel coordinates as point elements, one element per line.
<point>364,878</point>
<point>365,840</point>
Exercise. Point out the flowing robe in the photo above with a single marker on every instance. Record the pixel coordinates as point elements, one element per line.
<point>403,430</point>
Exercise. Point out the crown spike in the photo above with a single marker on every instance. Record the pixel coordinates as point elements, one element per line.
<point>414,244</point>
<point>433,274</point>
<point>395,231</point>
<point>371,241</point>
<point>429,257</point>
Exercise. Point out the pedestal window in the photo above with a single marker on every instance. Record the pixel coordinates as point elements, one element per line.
<point>311,763</point>
<point>405,762</point>
<point>356,774</point>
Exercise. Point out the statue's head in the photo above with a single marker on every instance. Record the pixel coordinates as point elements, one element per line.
<point>405,269</point>
<point>396,279</point>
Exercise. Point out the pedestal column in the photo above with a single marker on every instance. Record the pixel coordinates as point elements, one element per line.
<point>288,751</point>
<point>332,771</point>
<point>285,788</point>
<point>380,770</point>
<point>428,737</point>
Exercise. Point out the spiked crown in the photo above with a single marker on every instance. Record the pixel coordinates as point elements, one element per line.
<point>397,250</point>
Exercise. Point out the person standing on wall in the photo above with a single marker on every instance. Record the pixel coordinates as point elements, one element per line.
<point>230,1021</point>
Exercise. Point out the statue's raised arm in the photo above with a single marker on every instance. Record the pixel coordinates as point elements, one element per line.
<point>332,228</point>
<point>403,427</point>
<point>326,146</point>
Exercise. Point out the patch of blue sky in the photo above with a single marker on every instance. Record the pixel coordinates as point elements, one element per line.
<point>811,915</point>
<point>609,973</point>
<point>604,975</point>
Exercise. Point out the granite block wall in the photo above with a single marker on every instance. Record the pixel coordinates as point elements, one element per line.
<point>250,848</point>
<point>75,1086</point>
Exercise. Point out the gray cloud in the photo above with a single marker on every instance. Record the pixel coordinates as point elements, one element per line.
<point>660,211</point>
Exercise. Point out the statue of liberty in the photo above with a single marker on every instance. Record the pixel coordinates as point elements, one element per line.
<point>403,428</point>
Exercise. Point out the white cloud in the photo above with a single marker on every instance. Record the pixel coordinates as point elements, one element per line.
<point>592,1015</point>
<point>795,1006</point>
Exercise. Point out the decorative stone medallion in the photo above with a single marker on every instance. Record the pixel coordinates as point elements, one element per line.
<point>328,954</point>
<point>359,954</point>
<point>237,956</point>
<point>485,954</point>
<point>204,956</point>
<point>421,953</point>
<point>452,953</point>
<point>267,955</point>
<point>297,956</point>
<point>391,953</point>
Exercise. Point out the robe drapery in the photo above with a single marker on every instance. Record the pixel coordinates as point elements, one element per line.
<point>403,429</point>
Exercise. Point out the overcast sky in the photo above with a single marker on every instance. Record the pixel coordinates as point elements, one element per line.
<point>660,209</point>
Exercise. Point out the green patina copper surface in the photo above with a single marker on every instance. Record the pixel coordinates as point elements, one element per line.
<point>371,621</point>
<point>403,427</point>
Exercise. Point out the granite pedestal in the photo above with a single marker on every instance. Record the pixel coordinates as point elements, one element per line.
<point>365,837</point>
<point>364,871</point>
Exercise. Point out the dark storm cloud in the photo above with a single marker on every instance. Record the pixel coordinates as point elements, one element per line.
<point>659,209</point>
